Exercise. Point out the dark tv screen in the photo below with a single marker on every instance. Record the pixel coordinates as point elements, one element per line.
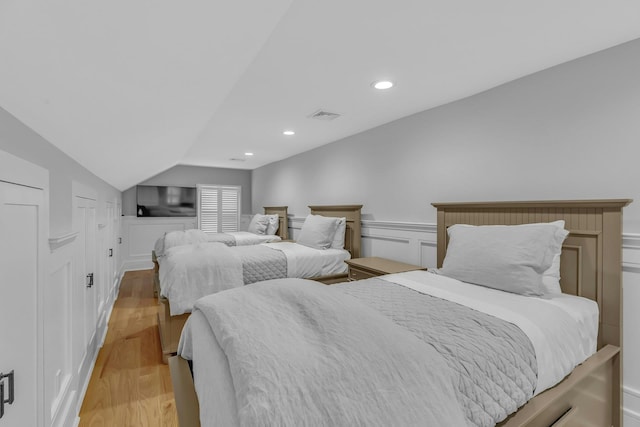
<point>154,201</point>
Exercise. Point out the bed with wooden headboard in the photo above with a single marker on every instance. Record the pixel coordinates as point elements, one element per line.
<point>591,266</point>
<point>170,327</point>
<point>352,235</point>
<point>282,232</point>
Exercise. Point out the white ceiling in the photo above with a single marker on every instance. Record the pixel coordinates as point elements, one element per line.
<point>146,85</point>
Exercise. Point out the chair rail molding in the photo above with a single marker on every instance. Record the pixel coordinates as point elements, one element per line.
<point>56,242</point>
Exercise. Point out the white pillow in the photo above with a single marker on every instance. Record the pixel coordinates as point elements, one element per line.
<point>511,258</point>
<point>258,224</point>
<point>274,223</point>
<point>551,277</point>
<point>338,238</point>
<point>318,231</point>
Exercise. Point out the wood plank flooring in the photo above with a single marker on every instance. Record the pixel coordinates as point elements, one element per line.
<point>130,386</point>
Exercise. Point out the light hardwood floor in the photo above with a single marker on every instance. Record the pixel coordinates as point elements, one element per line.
<point>130,386</point>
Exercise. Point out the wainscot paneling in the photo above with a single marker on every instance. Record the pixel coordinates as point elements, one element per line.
<point>70,352</point>
<point>139,235</point>
<point>59,373</point>
<point>631,339</point>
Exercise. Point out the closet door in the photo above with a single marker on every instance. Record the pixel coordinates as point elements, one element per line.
<point>22,224</point>
<point>86,217</point>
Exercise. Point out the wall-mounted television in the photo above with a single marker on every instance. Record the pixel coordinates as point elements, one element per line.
<point>164,201</point>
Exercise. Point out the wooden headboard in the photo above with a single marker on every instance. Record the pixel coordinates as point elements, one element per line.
<point>353,232</point>
<point>591,260</point>
<point>283,226</point>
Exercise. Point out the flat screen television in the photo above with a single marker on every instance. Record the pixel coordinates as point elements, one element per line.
<point>165,201</point>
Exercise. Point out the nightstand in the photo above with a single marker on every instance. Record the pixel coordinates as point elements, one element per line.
<point>364,268</point>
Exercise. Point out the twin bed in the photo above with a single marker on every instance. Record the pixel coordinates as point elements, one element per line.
<point>264,350</point>
<point>188,272</point>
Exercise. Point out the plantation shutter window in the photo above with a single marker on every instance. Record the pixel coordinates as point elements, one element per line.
<point>218,208</point>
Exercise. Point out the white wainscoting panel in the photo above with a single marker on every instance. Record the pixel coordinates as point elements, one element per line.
<point>58,370</point>
<point>413,243</point>
<point>631,320</point>
<point>140,234</point>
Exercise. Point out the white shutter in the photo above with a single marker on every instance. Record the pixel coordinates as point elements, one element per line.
<point>230,209</point>
<point>218,208</point>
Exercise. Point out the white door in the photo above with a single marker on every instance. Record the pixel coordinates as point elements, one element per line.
<point>22,222</point>
<point>86,217</point>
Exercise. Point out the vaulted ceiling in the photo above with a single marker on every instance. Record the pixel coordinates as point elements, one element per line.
<point>132,88</point>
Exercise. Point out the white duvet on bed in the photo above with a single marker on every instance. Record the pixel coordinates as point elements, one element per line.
<point>189,272</point>
<point>567,323</point>
<point>306,262</point>
<point>562,328</point>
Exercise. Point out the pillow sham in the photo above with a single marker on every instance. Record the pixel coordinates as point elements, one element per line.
<point>510,258</point>
<point>318,231</point>
<point>551,276</point>
<point>274,223</point>
<point>338,237</point>
<point>258,224</point>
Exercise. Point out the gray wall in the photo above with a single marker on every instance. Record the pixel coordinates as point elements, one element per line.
<point>190,176</point>
<point>20,140</point>
<point>569,132</point>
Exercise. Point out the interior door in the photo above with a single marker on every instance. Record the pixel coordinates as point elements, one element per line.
<point>86,217</point>
<point>22,223</point>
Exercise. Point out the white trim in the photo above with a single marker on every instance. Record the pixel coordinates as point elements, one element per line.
<point>419,227</point>
<point>386,238</point>
<point>57,242</point>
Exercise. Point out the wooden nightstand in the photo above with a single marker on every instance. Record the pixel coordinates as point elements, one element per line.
<point>364,268</point>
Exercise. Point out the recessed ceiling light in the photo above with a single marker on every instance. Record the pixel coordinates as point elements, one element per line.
<point>248,154</point>
<point>382,84</point>
<point>288,132</point>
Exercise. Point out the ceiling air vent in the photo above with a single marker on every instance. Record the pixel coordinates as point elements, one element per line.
<point>235,159</point>
<point>324,115</point>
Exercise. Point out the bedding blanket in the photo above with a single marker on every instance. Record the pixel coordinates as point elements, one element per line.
<point>178,238</point>
<point>494,359</point>
<point>191,271</point>
<point>303,354</point>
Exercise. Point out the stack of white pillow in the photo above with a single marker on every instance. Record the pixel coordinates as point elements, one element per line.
<point>523,259</point>
<point>323,232</point>
<point>264,224</point>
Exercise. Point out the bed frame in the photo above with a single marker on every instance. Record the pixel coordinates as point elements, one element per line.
<point>591,266</point>
<point>170,327</point>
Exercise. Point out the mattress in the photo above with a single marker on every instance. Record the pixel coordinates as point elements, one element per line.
<point>189,272</point>
<point>567,326</point>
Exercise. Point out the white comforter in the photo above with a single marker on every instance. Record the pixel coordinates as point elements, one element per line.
<point>274,335</point>
<point>562,328</point>
<point>303,261</point>
<point>189,272</point>
<point>205,267</point>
